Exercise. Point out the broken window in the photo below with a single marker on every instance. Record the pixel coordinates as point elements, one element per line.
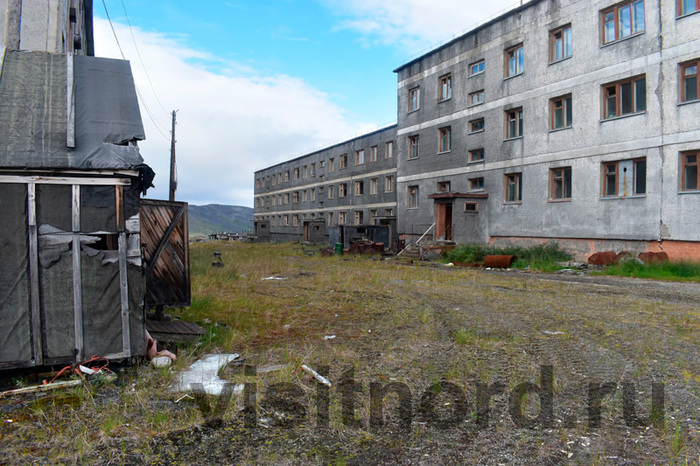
<point>625,178</point>
<point>514,187</point>
<point>625,97</point>
<point>689,171</point>
<point>560,184</point>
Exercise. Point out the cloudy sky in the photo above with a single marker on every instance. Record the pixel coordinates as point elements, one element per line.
<point>257,82</point>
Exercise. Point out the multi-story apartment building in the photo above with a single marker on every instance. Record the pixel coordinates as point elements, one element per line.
<point>575,121</point>
<point>59,26</point>
<point>353,182</point>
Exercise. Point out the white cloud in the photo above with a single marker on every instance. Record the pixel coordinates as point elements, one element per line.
<point>414,24</point>
<point>230,122</point>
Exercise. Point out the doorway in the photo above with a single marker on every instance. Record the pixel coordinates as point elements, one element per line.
<point>443,221</point>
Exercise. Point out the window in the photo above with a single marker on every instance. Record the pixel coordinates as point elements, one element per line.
<point>274,179</point>
<point>274,201</point>
<point>341,218</point>
<point>476,126</point>
<point>279,199</point>
<point>514,187</point>
<point>313,169</point>
<point>389,150</point>
<point>303,196</point>
<point>625,97</point>
<point>514,61</point>
<point>477,67</point>
<point>286,198</point>
<point>625,178</point>
<point>304,172</point>
<point>257,182</point>
<point>560,43</point>
<point>514,123</point>
<point>414,99</point>
<point>689,171</point>
<point>359,157</point>
<point>359,188</point>
<point>373,154</point>
<point>445,87</point>
<point>286,175</point>
<point>286,220</point>
<point>623,20</point>
<point>560,183</point>
<point>343,161</point>
<point>330,192</point>
<point>312,196</point>
<point>295,220</point>
<point>476,98</point>
<point>685,7</point>
<point>279,178</point>
<point>358,217</point>
<point>295,197</point>
<point>389,212</point>
<point>342,190</point>
<point>388,184</point>
<point>373,217</point>
<point>476,184</point>
<point>471,207</point>
<point>560,112</point>
<point>413,197</point>
<point>476,155</point>
<point>443,186</point>
<point>690,79</point>
<point>331,164</point>
<point>445,139</point>
<point>330,218</point>
<point>373,185</point>
<point>296,173</point>
<point>413,147</point>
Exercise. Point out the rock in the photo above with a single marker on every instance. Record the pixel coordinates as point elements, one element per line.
<point>602,258</point>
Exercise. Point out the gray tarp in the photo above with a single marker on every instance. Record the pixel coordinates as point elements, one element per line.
<point>34,112</point>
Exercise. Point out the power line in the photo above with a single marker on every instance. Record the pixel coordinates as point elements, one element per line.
<point>143,101</point>
<point>141,60</point>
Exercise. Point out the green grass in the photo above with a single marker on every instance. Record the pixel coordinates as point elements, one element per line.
<point>540,257</point>
<point>674,271</point>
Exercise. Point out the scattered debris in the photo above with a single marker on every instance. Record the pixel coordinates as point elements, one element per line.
<point>500,262</point>
<point>316,375</point>
<point>273,368</point>
<point>186,395</point>
<point>206,372</point>
<point>274,278</point>
<point>42,388</point>
<point>329,337</point>
<point>218,262</point>
<point>551,332</point>
<point>366,247</point>
<point>162,361</point>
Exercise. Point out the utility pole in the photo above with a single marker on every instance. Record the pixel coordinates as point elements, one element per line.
<point>173,182</point>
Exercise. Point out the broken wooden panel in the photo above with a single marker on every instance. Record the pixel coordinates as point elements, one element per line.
<point>15,325</point>
<point>164,239</point>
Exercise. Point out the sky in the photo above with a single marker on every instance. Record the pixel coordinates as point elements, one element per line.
<point>258,82</point>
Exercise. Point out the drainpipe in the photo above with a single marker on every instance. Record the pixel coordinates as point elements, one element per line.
<point>13,24</point>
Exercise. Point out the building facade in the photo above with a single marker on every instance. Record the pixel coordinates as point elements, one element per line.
<point>559,120</point>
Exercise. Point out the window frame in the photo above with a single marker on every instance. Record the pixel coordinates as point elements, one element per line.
<point>517,120</point>
<point>566,110</point>
<point>331,164</point>
<point>343,163</point>
<point>477,63</point>
<point>444,186</point>
<point>480,94</point>
<point>679,9</point>
<point>373,151</point>
<point>358,217</point>
<point>471,207</point>
<point>359,187</point>
<point>474,122</point>
<point>342,190</point>
<point>373,186</point>
<point>618,97</point>
<point>473,152</point>
<point>413,192</point>
<point>445,87</point>
<point>519,60</point>
<point>389,184</point>
<point>634,182</point>
<point>515,180</point>
<point>560,175</point>
<point>389,150</point>
<point>331,192</point>
<point>359,157</point>
<point>683,164</point>
<point>414,99</point>
<point>413,147</point>
<point>615,10</point>
<point>682,79</point>
<point>566,32</point>
<point>444,139</point>
<point>476,184</point>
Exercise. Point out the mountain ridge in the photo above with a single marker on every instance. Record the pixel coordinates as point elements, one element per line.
<point>219,218</point>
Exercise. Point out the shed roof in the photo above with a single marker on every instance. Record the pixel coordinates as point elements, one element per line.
<point>36,115</point>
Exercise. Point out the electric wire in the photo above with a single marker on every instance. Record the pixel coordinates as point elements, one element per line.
<point>143,102</point>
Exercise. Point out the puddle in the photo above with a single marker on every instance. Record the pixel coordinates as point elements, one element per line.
<point>204,371</point>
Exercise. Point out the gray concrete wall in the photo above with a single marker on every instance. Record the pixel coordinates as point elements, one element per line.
<point>267,209</point>
<point>658,134</point>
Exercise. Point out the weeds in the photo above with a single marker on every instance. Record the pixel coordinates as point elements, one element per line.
<point>675,271</point>
<point>540,257</point>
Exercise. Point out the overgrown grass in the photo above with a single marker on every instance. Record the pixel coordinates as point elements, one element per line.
<point>540,257</point>
<point>675,271</point>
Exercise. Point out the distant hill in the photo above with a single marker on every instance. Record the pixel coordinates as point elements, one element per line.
<point>216,218</point>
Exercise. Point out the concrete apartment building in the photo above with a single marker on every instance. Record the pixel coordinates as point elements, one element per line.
<point>353,183</point>
<point>58,26</point>
<point>574,121</point>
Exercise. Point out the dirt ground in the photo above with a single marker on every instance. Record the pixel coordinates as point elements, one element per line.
<point>479,367</point>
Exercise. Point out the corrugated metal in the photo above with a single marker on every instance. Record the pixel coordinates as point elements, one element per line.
<point>164,239</point>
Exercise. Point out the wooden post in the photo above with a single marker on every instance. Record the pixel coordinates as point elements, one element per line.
<point>173,182</point>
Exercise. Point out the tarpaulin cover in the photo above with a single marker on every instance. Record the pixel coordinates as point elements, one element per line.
<point>34,112</point>
<point>15,321</point>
